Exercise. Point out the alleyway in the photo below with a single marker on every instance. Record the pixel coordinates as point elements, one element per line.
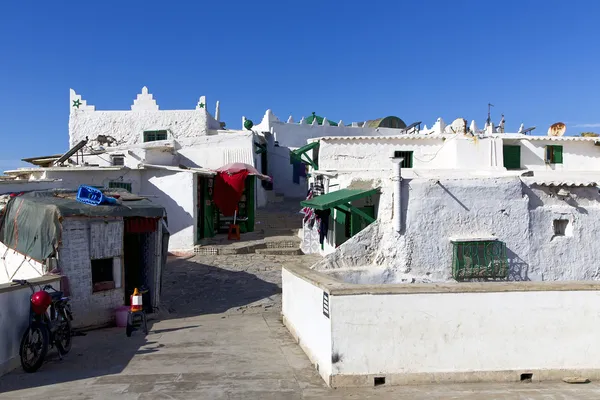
<point>221,337</point>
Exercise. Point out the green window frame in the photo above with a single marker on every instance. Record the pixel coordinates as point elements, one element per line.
<point>479,260</point>
<point>153,136</point>
<point>120,185</point>
<point>408,158</point>
<point>554,154</point>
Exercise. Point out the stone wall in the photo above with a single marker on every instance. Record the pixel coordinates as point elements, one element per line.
<point>89,308</point>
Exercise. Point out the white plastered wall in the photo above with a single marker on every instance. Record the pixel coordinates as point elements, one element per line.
<point>176,192</point>
<point>302,308</point>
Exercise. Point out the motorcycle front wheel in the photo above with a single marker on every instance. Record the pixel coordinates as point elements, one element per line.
<point>34,347</point>
<point>63,335</point>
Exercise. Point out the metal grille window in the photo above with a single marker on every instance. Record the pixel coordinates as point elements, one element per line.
<point>117,160</point>
<point>120,185</point>
<point>480,259</point>
<point>554,154</point>
<point>153,136</point>
<point>408,158</point>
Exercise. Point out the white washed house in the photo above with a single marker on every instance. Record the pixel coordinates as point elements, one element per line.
<point>289,176</point>
<point>168,155</point>
<point>526,205</point>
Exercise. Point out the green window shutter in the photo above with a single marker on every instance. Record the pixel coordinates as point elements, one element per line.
<point>558,154</point>
<point>512,157</point>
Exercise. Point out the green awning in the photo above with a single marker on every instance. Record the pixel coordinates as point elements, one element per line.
<point>296,155</point>
<point>339,197</point>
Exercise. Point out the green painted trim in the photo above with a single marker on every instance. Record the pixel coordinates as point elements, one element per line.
<point>362,214</point>
<point>337,198</point>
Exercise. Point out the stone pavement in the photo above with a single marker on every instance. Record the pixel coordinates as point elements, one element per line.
<point>223,339</point>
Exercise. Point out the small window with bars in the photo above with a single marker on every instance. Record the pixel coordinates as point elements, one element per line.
<point>479,260</point>
<point>408,158</point>
<point>153,136</point>
<point>120,185</point>
<point>117,160</point>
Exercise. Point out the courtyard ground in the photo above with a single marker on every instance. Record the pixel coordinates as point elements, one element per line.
<point>221,337</point>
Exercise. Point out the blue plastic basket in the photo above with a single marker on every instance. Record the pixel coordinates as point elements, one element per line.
<point>93,197</point>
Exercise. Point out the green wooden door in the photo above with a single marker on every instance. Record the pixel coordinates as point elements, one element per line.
<point>209,208</point>
<point>512,157</point>
<point>358,223</point>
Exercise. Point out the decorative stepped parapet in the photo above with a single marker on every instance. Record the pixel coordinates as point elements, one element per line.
<point>144,102</point>
<point>78,104</point>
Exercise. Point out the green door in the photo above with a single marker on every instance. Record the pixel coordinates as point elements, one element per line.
<point>209,208</point>
<point>206,209</point>
<point>512,157</point>
<point>358,223</point>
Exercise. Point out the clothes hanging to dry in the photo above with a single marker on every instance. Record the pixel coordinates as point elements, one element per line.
<point>228,191</point>
<point>323,216</point>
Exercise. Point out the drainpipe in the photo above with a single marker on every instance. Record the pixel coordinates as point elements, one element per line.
<point>397,182</point>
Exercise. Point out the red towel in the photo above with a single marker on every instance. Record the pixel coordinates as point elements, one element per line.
<point>228,191</point>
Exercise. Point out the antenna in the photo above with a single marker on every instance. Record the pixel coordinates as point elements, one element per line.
<point>489,118</point>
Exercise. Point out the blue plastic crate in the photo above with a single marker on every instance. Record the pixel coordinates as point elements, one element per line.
<point>92,196</point>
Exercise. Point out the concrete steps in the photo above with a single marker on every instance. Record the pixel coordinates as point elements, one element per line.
<point>279,252</point>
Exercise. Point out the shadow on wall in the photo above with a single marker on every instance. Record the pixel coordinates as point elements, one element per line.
<point>183,160</point>
<point>405,199</point>
<point>518,269</point>
<point>191,289</point>
<point>178,218</point>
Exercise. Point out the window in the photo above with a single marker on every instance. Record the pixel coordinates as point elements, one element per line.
<point>562,227</point>
<point>102,274</point>
<point>554,154</point>
<point>153,136</point>
<point>117,160</point>
<point>408,158</point>
<point>480,259</point>
<point>120,185</point>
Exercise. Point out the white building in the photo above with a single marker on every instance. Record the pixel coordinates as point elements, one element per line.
<point>510,206</point>
<point>289,177</point>
<point>168,155</point>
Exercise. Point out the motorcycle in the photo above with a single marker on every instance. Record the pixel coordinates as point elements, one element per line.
<point>50,319</point>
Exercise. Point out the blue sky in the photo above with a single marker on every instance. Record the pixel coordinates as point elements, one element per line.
<point>536,61</point>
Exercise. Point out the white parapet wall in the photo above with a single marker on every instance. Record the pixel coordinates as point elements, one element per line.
<point>312,330</point>
<point>14,303</point>
<point>452,332</point>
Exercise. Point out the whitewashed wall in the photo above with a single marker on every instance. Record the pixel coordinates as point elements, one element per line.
<point>463,336</point>
<point>430,152</point>
<point>72,178</point>
<point>14,265</point>
<point>302,308</point>
<point>14,317</point>
<point>296,135</point>
<point>433,211</point>
<point>278,159</point>
<point>16,186</point>
<point>215,151</point>
<point>577,155</point>
<point>176,192</point>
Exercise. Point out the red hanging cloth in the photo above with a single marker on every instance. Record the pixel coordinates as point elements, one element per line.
<point>228,191</point>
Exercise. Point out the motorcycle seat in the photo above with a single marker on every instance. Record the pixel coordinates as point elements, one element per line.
<point>56,295</point>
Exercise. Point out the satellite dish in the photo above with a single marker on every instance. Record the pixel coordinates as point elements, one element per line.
<point>557,129</point>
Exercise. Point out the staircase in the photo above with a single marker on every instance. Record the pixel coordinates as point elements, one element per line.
<point>276,229</point>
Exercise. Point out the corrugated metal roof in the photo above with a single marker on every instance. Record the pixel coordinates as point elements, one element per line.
<point>577,182</point>
<point>561,138</point>
<point>389,137</point>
